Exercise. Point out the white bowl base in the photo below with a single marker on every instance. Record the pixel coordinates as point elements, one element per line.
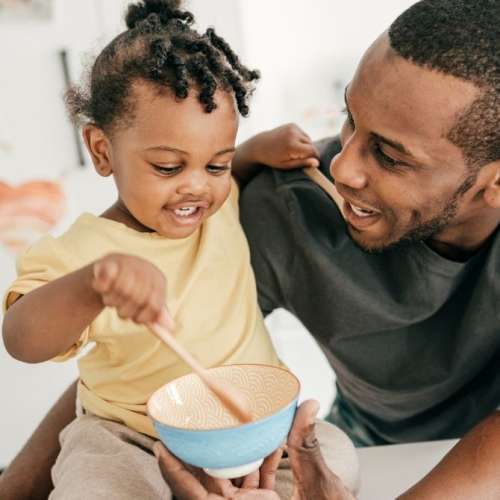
<point>234,472</point>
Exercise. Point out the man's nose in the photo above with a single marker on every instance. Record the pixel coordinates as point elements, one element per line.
<point>347,167</point>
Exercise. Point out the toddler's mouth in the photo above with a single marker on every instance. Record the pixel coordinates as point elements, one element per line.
<point>187,215</point>
<point>185,211</point>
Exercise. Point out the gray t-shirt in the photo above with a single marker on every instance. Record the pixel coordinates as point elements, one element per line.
<point>414,338</point>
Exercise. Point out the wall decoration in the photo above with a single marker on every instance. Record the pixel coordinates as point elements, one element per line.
<point>13,10</point>
<point>28,211</point>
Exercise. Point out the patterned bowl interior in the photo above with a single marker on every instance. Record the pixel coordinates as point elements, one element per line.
<point>187,403</point>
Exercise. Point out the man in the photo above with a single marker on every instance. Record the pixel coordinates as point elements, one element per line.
<point>401,288</point>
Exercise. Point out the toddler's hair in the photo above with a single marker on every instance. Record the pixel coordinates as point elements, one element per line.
<point>162,48</point>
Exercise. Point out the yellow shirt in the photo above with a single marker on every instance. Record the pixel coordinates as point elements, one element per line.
<point>211,295</point>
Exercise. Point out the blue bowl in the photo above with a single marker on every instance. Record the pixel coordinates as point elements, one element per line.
<point>193,424</point>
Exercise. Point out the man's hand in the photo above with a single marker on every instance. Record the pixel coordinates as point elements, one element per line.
<point>134,286</point>
<point>313,478</point>
<point>194,484</point>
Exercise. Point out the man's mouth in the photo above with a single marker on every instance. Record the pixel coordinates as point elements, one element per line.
<point>358,216</point>
<point>362,212</point>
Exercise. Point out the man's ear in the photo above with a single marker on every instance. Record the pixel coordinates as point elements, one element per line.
<point>492,191</point>
<point>99,147</point>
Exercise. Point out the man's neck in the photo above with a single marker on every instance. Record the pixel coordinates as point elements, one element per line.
<point>461,243</point>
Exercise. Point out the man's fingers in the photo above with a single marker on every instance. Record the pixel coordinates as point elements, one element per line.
<point>269,468</point>
<point>303,424</point>
<point>251,481</point>
<point>223,487</point>
<point>183,484</point>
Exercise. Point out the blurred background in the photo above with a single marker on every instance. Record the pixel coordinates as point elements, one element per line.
<point>306,51</point>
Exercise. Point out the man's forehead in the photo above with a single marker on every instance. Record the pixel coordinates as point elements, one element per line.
<point>409,103</point>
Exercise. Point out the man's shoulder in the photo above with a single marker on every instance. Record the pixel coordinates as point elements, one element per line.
<point>271,181</point>
<point>328,148</point>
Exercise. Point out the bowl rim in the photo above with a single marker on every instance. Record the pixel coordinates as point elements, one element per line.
<point>239,426</point>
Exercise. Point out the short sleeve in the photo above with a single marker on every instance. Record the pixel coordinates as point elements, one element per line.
<point>45,261</point>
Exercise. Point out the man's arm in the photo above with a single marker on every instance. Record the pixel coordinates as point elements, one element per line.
<point>469,470</point>
<point>28,476</point>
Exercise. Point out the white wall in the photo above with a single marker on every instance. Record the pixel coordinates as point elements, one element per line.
<point>306,51</point>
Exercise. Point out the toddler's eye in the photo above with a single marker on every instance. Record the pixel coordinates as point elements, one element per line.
<point>166,170</point>
<point>218,169</point>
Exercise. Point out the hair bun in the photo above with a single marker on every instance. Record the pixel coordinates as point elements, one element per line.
<point>164,11</point>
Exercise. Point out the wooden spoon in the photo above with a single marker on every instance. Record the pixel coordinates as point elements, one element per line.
<point>315,174</point>
<point>230,396</point>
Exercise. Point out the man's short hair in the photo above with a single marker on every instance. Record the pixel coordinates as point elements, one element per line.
<point>460,38</point>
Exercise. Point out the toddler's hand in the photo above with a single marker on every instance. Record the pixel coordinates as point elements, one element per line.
<point>134,286</point>
<point>286,147</point>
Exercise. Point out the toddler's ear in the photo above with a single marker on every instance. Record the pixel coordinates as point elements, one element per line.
<point>99,148</point>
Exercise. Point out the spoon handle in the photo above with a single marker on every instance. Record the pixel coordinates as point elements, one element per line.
<point>315,174</point>
<point>161,332</point>
<point>226,395</point>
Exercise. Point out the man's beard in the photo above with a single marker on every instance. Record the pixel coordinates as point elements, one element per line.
<point>423,231</point>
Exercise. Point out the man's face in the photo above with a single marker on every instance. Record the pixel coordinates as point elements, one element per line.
<point>399,175</point>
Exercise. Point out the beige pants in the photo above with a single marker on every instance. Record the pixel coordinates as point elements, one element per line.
<point>100,459</point>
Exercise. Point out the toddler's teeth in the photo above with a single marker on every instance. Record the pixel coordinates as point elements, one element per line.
<point>185,211</point>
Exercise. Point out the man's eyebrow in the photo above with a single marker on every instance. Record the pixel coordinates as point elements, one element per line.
<point>393,144</point>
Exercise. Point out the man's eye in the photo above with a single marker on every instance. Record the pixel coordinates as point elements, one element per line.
<point>166,170</point>
<point>217,169</point>
<point>383,159</point>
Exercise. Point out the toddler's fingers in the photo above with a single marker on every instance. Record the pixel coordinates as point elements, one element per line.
<point>301,150</point>
<point>300,163</point>
<point>166,319</point>
<point>128,309</point>
<point>303,137</point>
<point>307,148</point>
<point>148,314</point>
<point>105,273</point>
<point>112,299</point>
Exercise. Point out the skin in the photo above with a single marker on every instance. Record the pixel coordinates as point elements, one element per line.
<point>172,155</point>
<point>416,193</point>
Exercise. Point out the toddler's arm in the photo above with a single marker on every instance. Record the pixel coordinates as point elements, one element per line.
<point>285,148</point>
<point>49,320</point>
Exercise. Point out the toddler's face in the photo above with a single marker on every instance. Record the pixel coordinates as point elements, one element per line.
<point>172,162</point>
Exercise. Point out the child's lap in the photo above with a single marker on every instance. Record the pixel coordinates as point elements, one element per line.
<point>100,459</point>
<point>103,459</point>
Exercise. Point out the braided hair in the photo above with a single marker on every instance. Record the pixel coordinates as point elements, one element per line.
<point>161,47</point>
